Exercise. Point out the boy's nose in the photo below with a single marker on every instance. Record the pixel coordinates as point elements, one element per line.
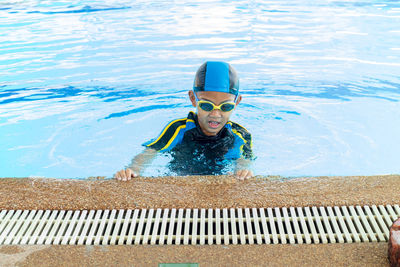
<point>216,113</point>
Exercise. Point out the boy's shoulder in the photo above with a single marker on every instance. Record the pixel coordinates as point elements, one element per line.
<point>236,127</point>
<point>241,132</point>
<point>176,123</point>
<point>170,132</point>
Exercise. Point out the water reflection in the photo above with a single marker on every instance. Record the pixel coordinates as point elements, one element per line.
<point>85,81</point>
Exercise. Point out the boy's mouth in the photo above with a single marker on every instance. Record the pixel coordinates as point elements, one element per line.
<point>213,124</point>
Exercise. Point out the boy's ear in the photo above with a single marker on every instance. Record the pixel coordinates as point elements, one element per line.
<point>239,99</point>
<point>192,98</point>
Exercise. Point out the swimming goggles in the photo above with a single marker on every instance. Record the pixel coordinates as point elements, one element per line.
<point>210,106</point>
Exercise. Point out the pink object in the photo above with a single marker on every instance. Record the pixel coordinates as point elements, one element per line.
<point>394,244</point>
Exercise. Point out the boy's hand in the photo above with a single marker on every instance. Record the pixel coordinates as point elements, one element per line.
<point>243,174</point>
<point>125,175</point>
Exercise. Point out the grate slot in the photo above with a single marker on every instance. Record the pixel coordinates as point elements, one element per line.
<point>349,222</point>
<point>336,229</point>
<point>288,225</point>
<point>56,227</point>
<point>241,227</point>
<point>9,224</point>
<point>173,236</point>
<point>179,227</point>
<point>264,227</point>
<point>95,227</point>
<point>21,233</point>
<point>391,212</point>
<point>117,227</point>
<point>225,220</point>
<point>78,227</point>
<point>371,236</point>
<point>39,228</point>
<point>327,226</point>
<point>304,226</point>
<point>124,230</point>
<point>86,226</point>
<point>62,230</point>
<point>147,227</point>
<point>397,208</point>
<point>376,230</point>
<point>256,226</point>
<point>272,226</point>
<point>360,229</point>
<point>202,226</point>
<point>3,213</point>
<point>154,234</point>
<point>129,240</point>
<point>187,227</point>
<point>163,226</point>
<point>386,219</point>
<point>249,227</point>
<point>5,226</point>
<point>281,231</point>
<point>217,226</point>
<point>32,225</point>
<point>343,225</point>
<point>194,227</point>
<point>102,227</point>
<point>69,228</point>
<point>110,226</point>
<point>139,229</point>
<point>294,225</point>
<point>320,228</point>
<point>171,227</point>
<point>16,227</point>
<point>233,226</point>
<point>48,226</point>
<point>310,221</point>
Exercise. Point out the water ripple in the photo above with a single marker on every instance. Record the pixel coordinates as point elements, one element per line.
<point>85,9</point>
<point>320,81</point>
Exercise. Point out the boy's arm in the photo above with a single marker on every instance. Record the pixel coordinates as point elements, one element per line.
<point>243,164</point>
<point>242,170</point>
<point>137,165</point>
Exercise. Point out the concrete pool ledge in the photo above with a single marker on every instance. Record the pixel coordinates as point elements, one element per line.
<point>197,192</point>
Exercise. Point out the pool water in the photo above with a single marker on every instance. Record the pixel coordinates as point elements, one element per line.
<point>84,83</point>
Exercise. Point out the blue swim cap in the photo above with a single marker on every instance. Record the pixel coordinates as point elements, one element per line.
<point>216,76</point>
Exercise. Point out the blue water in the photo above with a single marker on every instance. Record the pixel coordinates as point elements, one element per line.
<point>84,83</point>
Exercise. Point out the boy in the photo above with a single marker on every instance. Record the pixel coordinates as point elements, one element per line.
<point>205,142</point>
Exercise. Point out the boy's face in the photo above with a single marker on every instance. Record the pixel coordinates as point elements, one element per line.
<point>213,121</point>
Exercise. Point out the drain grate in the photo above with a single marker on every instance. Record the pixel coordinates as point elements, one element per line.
<point>294,225</point>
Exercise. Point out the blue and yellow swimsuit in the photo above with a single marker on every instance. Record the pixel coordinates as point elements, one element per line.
<point>194,153</point>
